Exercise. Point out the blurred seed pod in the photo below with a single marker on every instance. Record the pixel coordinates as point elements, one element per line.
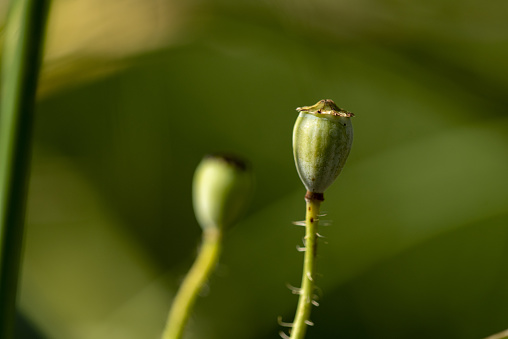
<point>222,188</point>
<point>322,139</point>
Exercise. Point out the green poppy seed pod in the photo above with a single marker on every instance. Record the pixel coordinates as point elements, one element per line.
<point>221,189</point>
<point>322,139</point>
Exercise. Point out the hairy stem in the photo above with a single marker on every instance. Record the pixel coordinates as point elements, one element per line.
<point>302,316</point>
<point>193,283</point>
<point>24,35</point>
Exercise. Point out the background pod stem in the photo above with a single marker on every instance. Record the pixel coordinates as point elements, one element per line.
<point>193,283</point>
<point>302,316</point>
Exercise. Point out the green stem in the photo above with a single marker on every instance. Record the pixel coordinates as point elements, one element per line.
<point>193,283</point>
<point>24,35</point>
<point>302,317</point>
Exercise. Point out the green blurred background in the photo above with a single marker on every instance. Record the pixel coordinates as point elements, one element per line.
<point>134,92</point>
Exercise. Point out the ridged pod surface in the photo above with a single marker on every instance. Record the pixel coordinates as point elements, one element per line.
<point>322,139</point>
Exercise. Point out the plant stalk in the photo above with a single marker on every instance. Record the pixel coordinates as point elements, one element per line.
<point>302,317</point>
<point>193,283</point>
<point>21,58</point>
